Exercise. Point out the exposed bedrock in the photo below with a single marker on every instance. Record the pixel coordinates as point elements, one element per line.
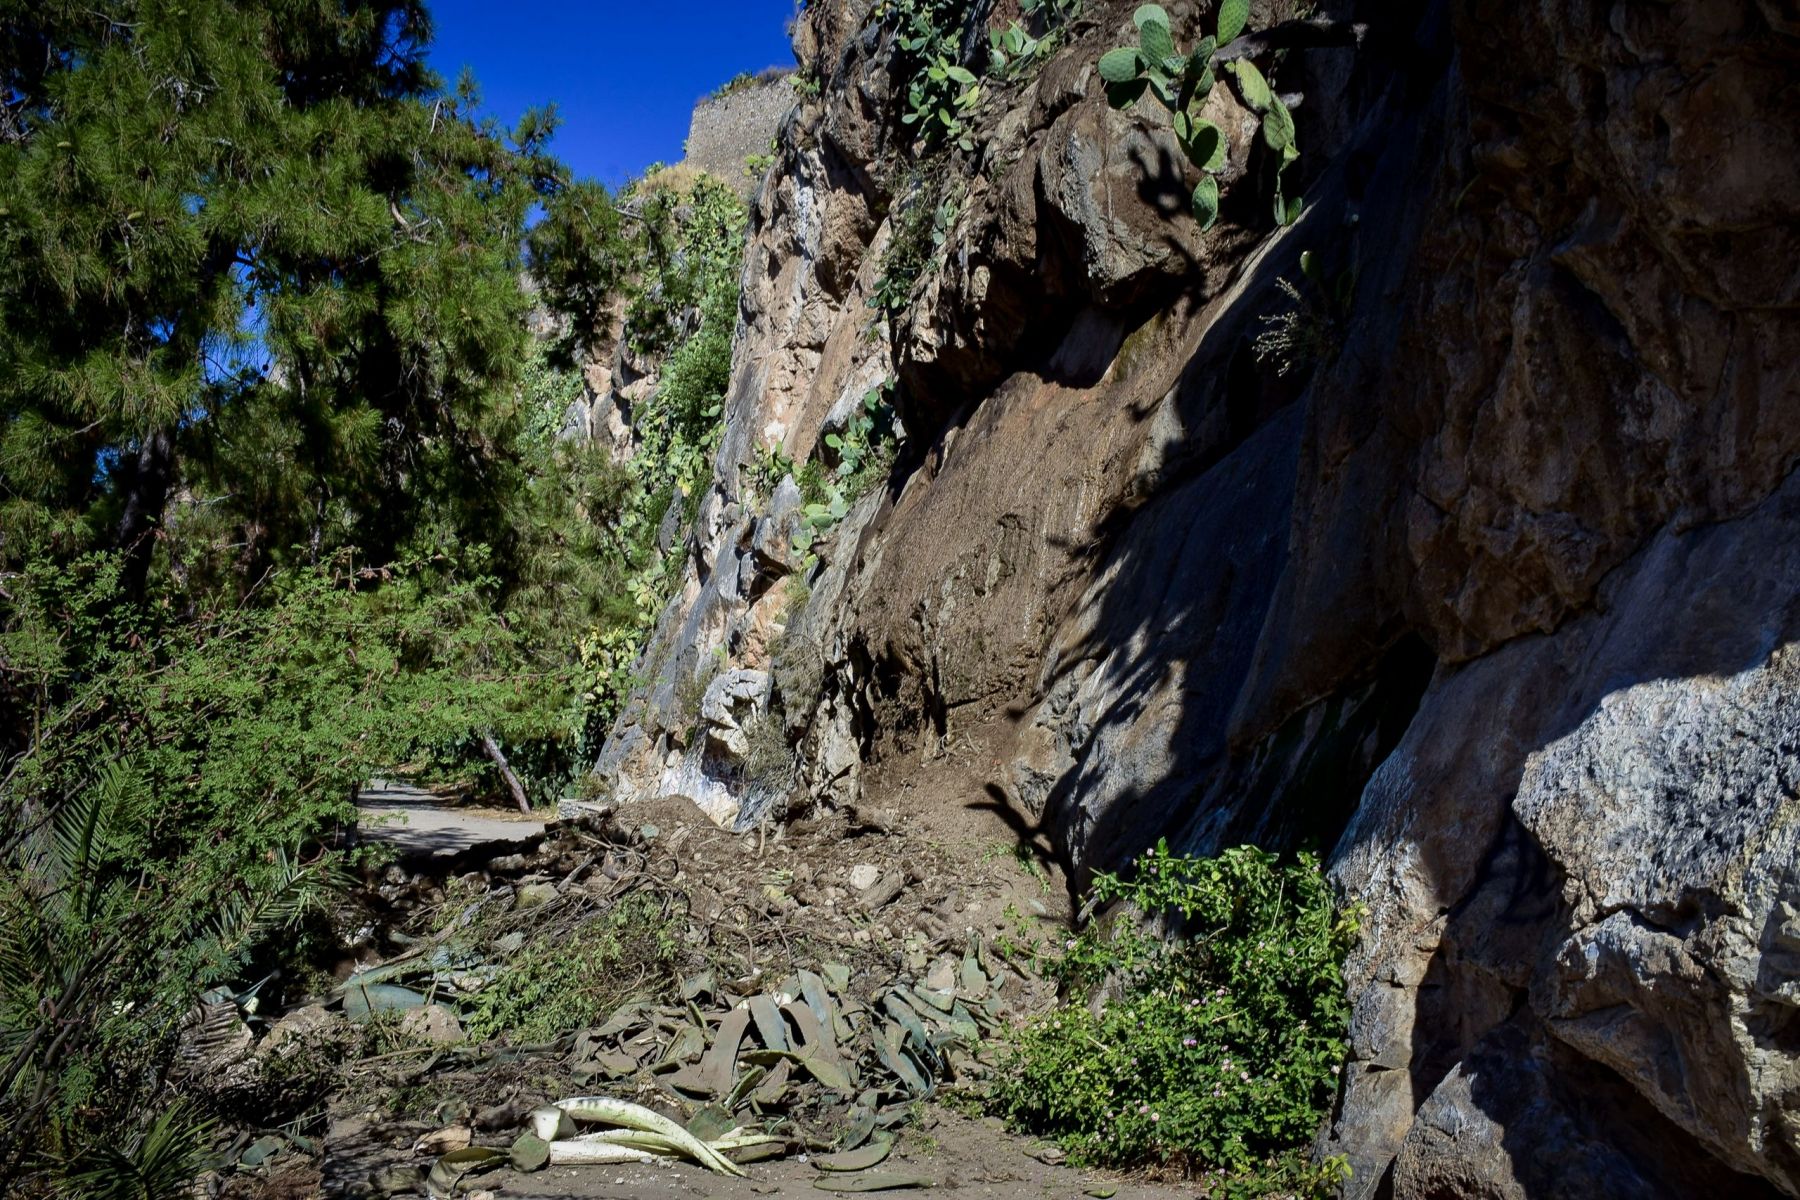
<point>1492,595</point>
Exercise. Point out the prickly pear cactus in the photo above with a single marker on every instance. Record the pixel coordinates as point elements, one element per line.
<point>1182,82</point>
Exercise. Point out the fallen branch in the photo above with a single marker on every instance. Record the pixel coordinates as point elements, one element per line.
<point>506,772</point>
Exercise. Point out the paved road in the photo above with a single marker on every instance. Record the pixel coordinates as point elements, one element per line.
<point>416,823</point>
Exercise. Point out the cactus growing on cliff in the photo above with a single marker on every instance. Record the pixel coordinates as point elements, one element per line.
<point>1183,81</point>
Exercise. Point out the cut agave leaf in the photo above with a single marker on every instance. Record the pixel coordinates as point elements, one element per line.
<point>449,1170</point>
<point>871,1155</point>
<point>828,1071</point>
<point>711,1123</point>
<point>858,1128</point>
<point>880,1181</point>
<point>364,999</point>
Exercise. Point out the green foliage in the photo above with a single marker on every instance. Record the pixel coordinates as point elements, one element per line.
<point>670,253</point>
<point>743,81</point>
<point>1182,81</point>
<point>1019,50</point>
<point>575,979</point>
<point>1308,332</point>
<point>252,256</point>
<point>939,100</point>
<point>926,211</point>
<point>941,93</point>
<point>1218,1048</point>
<point>157,1160</point>
<point>284,500</point>
<point>579,257</point>
<point>169,790</point>
<point>864,451</point>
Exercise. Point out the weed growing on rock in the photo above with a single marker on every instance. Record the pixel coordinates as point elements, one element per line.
<point>925,212</point>
<point>1309,332</point>
<point>940,93</point>
<point>1218,1048</point>
<point>1020,49</point>
<point>1182,83</point>
<point>865,450</point>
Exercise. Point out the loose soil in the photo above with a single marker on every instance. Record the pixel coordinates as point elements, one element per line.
<point>884,894</point>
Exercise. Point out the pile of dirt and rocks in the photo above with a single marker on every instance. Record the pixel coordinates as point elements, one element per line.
<point>811,996</point>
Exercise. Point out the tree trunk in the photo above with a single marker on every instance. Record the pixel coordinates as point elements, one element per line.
<point>506,772</point>
<point>145,479</point>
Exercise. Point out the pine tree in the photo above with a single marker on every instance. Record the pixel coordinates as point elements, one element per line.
<point>259,285</point>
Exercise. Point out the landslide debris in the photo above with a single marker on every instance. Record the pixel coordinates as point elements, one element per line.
<point>785,992</point>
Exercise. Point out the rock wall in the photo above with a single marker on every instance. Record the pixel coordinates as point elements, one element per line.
<point>1495,594</point>
<point>736,125</point>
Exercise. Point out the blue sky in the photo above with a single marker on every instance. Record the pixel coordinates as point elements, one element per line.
<point>624,76</point>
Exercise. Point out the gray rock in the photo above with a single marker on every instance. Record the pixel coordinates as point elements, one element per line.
<point>731,699</point>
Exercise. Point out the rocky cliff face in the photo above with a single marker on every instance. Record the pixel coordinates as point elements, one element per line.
<point>1496,590</point>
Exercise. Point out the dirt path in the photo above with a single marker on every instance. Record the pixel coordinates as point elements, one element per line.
<point>952,1156</point>
<point>419,823</point>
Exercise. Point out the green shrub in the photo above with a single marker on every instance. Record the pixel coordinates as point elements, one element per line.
<point>1020,49</point>
<point>1218,1049</point>
<point>166,809</point>
<point>561,983</point>
<point>925,212</point>
<point>865,452</point>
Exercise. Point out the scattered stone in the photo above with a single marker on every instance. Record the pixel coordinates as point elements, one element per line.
<point>864,876</point>
<point>886,891</point>
<point>435,1023</point>
<point>533,894</point>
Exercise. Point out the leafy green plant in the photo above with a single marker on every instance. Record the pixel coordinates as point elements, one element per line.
<point>166,806</point>
<point>595,590</point>
<point>1217,1047</point>
<point>939,101</point>
<point>1017,51</point>
<point>561,983</point>
<point>925,213</point>
<point>1309,331</point>
<point>1182,81</point>
<point>157,1160</point>
<point>745,80</point>
<point>941,93</point>
<point>865,450</point>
